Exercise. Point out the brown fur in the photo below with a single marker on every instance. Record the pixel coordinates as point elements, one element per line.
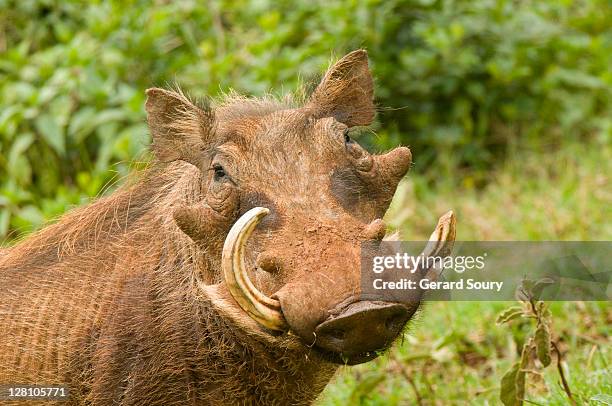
<point>123,300</point>
<point>97,303</point>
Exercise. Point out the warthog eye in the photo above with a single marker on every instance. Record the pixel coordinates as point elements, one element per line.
<point>219,172</point>
<point>347,137</point>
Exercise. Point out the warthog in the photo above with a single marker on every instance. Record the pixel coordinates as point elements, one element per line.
<point>228,272</point>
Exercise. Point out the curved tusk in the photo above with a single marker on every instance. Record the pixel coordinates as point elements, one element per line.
<point>441,241</point>
<point>266,311</point>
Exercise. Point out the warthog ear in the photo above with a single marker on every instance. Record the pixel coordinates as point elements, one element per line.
<point>345,92</point>
<point>180,129</point>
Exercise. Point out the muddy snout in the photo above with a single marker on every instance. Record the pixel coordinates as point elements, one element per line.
<point>362,328</point>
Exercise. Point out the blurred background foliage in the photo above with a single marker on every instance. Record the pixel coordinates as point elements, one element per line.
<point>464,83</point>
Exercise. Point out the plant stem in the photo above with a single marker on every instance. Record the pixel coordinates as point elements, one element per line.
<point>416,391</point>
<point>566,387</point>
<point>406,374</point>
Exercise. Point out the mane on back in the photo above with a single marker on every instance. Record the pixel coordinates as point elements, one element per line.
<point>93,227</point>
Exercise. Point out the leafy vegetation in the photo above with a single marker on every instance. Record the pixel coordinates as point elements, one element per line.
<point>538,347</point>
<point>465,83</point>
<point>506,106</point>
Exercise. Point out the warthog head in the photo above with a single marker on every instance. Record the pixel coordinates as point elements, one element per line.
<point>288,198</point>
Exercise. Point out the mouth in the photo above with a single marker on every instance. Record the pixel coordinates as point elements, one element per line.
<point>342,359</point>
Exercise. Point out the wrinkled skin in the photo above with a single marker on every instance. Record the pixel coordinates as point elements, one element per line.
<point>309,245</point>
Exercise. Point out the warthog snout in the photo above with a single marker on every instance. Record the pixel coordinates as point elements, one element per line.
<point>361,329</point>
<point>322,305</point>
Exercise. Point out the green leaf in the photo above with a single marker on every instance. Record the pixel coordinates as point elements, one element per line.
<point>508,394</point>
<point>18,165</point>
<point>523,291</point>
<point>512,391</point>
<point>29,217</point>
<point>52,132</point>
<point>509,314</point>
<point>542,342</point>
<point>21,144</point>
<point>110,115</point>
<point>7,118</point>
<point>539,286</point>
<point>87,119</point>
<point>81,123</point>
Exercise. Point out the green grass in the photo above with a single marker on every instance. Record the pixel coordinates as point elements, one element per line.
<point>454,352</point>
<point>562,194</point>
